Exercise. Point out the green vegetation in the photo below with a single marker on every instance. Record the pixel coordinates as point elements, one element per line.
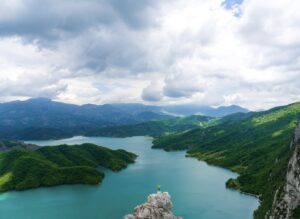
<point>154,128</point>
<point>256,145</point>
<point>296,213</point>
<point>49,166</point>
<point>42,118</point>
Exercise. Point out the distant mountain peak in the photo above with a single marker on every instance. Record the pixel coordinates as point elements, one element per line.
<point>39,99</point>
<point>197,109</point>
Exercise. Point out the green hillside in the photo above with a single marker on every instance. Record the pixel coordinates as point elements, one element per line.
<point>256,145</point>
<point>49,166</point>
<point>153,128</point>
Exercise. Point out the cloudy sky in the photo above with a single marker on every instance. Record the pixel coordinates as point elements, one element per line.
<point>211,52</point>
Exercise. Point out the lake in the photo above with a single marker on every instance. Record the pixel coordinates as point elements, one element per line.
<point>198,190</point>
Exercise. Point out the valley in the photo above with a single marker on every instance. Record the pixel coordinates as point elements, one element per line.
<point>149,109</point>
<point>197,189</point>
<point>255,145</point>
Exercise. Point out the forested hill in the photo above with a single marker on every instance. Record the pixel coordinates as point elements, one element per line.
<point>256,145</point>
<point>22,169</point>
<point>42,118</point>
<point>196,109</point>
<point>154,128</point>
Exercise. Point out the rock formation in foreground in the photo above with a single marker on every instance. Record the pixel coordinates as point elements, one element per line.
<point>158,206</point>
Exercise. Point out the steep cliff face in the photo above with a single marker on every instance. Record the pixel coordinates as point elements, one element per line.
<point>158,206</point>
<point>287,199</point>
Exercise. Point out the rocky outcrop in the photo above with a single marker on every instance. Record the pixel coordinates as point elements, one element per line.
<point>158,206</point>
<point>6,145</point>
<point>288,198</point>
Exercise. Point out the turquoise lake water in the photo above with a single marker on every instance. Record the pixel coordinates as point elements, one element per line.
<point>197,189</point>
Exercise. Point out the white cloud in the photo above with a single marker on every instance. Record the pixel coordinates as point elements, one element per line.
<point>153,92</point>
<point>158,51</point>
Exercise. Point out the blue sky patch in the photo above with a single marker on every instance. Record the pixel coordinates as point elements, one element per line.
<point>230,3</point>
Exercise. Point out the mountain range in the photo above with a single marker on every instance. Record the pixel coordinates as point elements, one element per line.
<point>257,145</point>
<point>196,109</point>
<point>42,118</point>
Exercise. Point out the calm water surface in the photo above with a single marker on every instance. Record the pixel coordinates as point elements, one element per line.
<point>197,189</point>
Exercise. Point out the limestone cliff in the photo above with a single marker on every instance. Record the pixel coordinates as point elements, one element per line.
<point>287,199</point>
<point>158,206</point>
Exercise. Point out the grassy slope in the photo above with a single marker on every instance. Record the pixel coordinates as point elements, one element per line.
<point>49,166</point>
<point>256,145</point>
<point>153,128</point>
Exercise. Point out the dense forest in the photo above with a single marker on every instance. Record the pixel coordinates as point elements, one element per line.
<point>255,145</point>
<point>154,128</point>
<point>22,169</point>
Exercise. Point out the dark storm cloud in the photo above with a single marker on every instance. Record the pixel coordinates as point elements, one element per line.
<point>98,34</point>
<point>177,93</point>
<point>53,19</point>
<point>197,50</point>
<point>151,97</point>
<point>36,90</point>
<point>182,85</point>
<point>102,51</point>
<point>46,20</point>
<point>152,92</point>
<point>134,12</point>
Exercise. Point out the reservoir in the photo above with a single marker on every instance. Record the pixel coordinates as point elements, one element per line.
<point>198,190</point>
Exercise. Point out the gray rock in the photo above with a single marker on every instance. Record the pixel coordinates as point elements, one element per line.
<point>288,199</point>
<point>157,206</point>
<point>6,145</point>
